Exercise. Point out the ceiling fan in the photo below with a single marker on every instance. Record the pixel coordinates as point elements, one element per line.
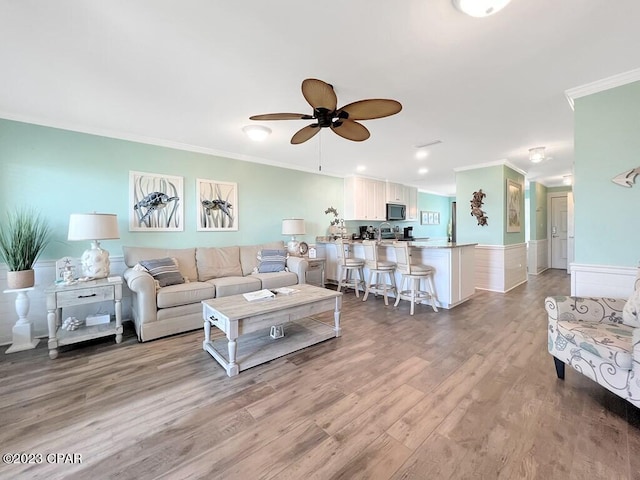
<point>322,98</point>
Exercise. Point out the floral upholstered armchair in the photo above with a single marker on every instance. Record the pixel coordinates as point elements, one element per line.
<point>600,338</point>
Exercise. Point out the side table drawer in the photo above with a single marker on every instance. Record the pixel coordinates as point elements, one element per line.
<point>85,295</point>
<point>313,266</point>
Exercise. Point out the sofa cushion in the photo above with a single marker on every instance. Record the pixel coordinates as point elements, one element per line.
<point>271,260</point>
<point>192,292</point>
<point>214,262</point>
<point>226,286</point>
<point>186,258</point>
<point>163,270</point>
<point>605,340</point>
<point>277,279</point>
<point>249,255</point>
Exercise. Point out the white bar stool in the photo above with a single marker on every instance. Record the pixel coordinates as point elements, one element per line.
<point>378,268</point>
<point>413,273</point>
<point>346,267</point>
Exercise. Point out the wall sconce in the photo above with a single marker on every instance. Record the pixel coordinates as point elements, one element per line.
<point>536,155</point>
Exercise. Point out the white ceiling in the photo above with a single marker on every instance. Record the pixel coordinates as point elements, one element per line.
<point>191,72</point>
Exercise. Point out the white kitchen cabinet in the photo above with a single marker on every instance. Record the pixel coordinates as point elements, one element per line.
<point>396,193</point>
<point>364,199</point>
<point>412,203</point>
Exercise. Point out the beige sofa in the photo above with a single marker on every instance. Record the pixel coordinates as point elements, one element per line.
<point>209,272</point>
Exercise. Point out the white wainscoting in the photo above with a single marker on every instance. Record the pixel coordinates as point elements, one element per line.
<point>538,256</point>
<point>500,268</point>
<point>45,275</point>
<point>602,280</point>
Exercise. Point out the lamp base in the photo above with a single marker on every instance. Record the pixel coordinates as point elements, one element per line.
<point>95,261</point>
<point>293,247</point>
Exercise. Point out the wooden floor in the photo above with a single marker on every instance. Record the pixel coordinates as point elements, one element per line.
<point>469,393</point>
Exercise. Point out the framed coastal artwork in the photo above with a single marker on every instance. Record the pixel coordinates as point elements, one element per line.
<point>514,202</point>
<point>216,206</point>
<point>429,218</point>
<point>156,202</point>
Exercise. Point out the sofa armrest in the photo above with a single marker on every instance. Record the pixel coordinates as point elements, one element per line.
<point>143,288</point>
<point>586,309</point>
<point>299,266</point>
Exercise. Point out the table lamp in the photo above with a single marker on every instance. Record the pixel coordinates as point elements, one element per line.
<point>293,227</point>
<point>94,227</point>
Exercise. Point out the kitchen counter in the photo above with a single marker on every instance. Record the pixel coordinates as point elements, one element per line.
<point>454,264</point>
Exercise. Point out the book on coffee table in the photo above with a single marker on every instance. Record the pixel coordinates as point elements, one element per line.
<point>259,295</point>
<point>286,290</point>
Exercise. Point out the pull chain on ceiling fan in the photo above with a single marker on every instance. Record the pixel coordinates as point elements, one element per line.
<point>342,121</point>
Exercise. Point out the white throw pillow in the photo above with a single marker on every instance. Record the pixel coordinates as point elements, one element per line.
<point>631,310</point>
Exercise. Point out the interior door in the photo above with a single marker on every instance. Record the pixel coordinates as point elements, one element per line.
<point>559,229</point>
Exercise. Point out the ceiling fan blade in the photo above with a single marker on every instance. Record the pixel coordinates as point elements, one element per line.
<point>350,130</point>
<point>281,116</point>
<point>319,94</point>
<point>305,134</point>
<point>370,109</point>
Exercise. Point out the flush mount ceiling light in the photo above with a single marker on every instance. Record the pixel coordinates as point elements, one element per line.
<point>567,180</point>
<point>256,133</point>
<point>536,155</point>
<point>480,8</point>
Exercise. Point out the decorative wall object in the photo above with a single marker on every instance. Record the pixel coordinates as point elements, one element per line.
<point>155,202</point>
<point>429,218</point>
<point>628,178</point>
<point>217,206</point>
<point>514,202</point>
<point>476,210</point>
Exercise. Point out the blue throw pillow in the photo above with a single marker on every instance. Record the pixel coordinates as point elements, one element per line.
<point>272,261</point>
<point>164,270</point>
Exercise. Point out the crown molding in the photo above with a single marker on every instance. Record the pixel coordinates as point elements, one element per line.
<point>601,85</point>
<point>491,164</point>
<point>160,142</point>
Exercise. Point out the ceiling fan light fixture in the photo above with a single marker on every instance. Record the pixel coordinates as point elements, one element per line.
<point>536,155</point>
<point>480,8</point>
<point>257,133</point>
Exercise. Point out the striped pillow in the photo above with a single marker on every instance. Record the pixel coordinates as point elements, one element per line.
<point>164,270</point>
<point>272,261</point>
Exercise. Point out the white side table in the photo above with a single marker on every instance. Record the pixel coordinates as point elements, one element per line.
<point>23,329</point>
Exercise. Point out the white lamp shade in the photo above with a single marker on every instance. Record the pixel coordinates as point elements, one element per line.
<point>293,226</point>
<point>93,226</point>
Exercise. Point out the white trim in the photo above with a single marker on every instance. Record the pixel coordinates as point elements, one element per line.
<point>602,280</point>
<point>158,142</point>
<point>601,85</point>
<point>491,164</point>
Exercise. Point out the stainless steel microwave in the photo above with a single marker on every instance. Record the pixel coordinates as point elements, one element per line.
<point>395,211</point>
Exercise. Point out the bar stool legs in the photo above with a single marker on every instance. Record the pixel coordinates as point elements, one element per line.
<point>347,279</point>
<point>414,294</point>
<point>381,287</point>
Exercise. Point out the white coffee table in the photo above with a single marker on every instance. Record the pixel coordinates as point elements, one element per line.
<point>247,325</point>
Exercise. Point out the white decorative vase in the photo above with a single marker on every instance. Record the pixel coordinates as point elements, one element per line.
<point>21,279</point>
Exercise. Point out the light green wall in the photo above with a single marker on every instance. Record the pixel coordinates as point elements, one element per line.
<point>537,211</point>
<point>492,181</point>
<point>607,143</point>
<point>61,172</point>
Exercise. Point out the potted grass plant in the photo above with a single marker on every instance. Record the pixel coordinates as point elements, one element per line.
<point>23,236</point>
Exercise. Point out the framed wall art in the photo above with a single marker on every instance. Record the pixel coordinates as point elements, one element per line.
<point>429,218</point>
<point>216,205</point>
<point>155,202</point>
<point>513,203</point>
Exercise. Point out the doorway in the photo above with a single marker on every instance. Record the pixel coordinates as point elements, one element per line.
<point>558,229</point>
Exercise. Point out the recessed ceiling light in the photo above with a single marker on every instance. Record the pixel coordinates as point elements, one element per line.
<point>536,155</point>
<point>361,168</point>
<point>567,180</point>
<point>420,154</point>
<point>256,132</point>
<point>480,8</point>
<point>423,170</point>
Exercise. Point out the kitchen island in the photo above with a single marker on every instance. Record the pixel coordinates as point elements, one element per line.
<point>454,265</point>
